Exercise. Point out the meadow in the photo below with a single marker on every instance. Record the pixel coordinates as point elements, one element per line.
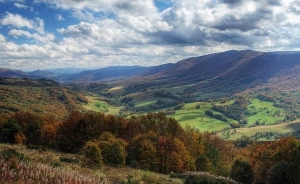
<point>283,128</point>
<point>196,117</point>
<point>99,105</point>
<point>263,112</point>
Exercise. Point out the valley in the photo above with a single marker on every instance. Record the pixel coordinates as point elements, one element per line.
<point>201,114</point>
<point>216,92</point>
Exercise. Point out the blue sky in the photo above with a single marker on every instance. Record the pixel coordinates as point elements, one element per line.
<point>41,34</point>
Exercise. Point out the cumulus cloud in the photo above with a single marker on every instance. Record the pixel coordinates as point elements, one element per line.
<point>136,32</point>
<point>16,20</point>
<point>95,5</point>
<point>37,37</point>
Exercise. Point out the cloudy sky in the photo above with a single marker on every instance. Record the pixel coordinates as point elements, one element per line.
<point>40,34</point>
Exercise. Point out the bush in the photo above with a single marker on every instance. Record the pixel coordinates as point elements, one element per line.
<point>241,170</point>
<point>9,153</point>
<point>92,153</point>
<point>280,174</point>
<point>10,131</point>
<point>206,178</point>
<point>68,160</point>
<point>36,147</point>
<point>114,153</point>
<point>209,113</point>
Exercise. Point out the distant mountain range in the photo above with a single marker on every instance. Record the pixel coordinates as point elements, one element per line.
<point>223,71</point>
<point>73,75</point>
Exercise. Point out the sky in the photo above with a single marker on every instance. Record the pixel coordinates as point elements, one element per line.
<point>43,34</point>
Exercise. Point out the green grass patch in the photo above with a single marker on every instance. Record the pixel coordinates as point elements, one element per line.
<point>263,112</point>
<point>279,128</point>
<point>145,103</point>
<point>101,106</point>
<point>196,117</point>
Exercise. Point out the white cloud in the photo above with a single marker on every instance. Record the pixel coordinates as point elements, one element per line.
<point>2,38</point>
<point>18,5</point>
<point>135,32</point>
<point>17,21</point>
<point>59,17</point>
<point>95,5</point>
<point>37,37</point>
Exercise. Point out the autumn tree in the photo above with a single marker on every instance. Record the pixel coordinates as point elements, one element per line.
<point>268,158</point>
<point>142,152</point>
<point>92,154</point>
<point>79,128</point>
<point>161,124</point>
<point>11,132</point>
<point>48,135</point>
<point>113,150</point>
<point>242,171</point>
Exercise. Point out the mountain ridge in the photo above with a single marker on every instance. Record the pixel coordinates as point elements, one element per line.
<point>247,68</point>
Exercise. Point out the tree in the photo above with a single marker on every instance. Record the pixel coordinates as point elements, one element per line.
<point>142,152</point>
<point>113,150</point>
<point>11,132</point>
<point>242,171</point>
<point>33,133</point>
<point>92,153</point>
<point>280,174</point>
<point>48,134</point>
<point>79,128</point>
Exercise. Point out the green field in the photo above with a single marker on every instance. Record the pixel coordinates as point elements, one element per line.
<point>101,106</point>
<point>197,118</point>
<point>264,112</point>
<point>145,103</point>
<point>257,111</point>
<point>279,128</point>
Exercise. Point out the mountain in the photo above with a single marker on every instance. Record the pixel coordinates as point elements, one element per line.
<point>5,72</point>
<point>63,71</point>
<point>109,73</point>
<point>156,69</point>
<point>42,74</point>
<point>233,72</point>
<point>226,72</point>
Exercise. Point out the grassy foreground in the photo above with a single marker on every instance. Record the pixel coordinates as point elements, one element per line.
<point>49,166</point>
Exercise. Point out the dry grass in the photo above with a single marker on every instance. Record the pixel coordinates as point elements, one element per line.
<point>46,164</point>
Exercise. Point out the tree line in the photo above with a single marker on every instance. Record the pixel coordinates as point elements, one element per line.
<point>153,142</point>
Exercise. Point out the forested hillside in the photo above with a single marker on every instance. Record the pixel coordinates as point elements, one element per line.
<point>40,96</point>
<point>157,143</point>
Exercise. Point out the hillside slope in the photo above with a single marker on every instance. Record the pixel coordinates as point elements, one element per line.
<point>233,72</point>
<point>40,96</point>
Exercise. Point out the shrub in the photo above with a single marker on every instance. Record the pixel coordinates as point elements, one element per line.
<point>206,178</point>
<point>241,170</point>
<point>113,153</point>
<point>92,153</point>
<point>9,153</point>
<point>10,132</point>
<point>280,174</point>
<point>68,160</point>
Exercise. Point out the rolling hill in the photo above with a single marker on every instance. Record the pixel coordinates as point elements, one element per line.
<point>40,96</point>
<point>231,72</point>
